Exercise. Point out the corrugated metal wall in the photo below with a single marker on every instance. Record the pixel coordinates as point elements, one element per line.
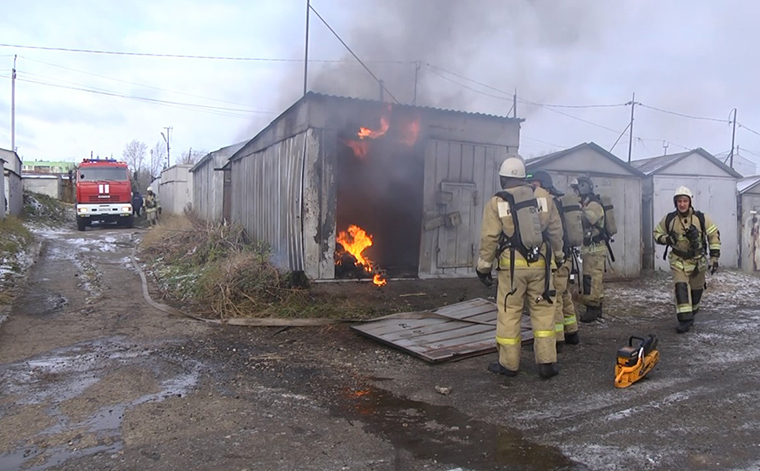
<point>15,190</point>
<point>176,189</point>
<point>266,198</point>
<point>715,196</point>
<point>208,187</point>
<point>46,186</point>
<point>459,176</point>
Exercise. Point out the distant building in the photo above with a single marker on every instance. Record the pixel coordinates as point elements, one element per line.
<point>45,166</point>
<point>744,166</point>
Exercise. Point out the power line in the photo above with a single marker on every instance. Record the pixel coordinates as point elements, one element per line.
<point>685,115</point>
<point>186,56</point>
<point>748,129</point>
<point>441,69</point>
<point>509,98</point>
<point>231,112</point>
<point>352,53</point>
<point>523,136</point>
<point>127,82</point>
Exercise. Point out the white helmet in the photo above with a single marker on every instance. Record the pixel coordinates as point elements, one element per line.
<point>512,167</point>
<point>149,189</point>
<point>683,191</point>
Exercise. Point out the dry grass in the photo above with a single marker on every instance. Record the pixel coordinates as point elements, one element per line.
<point>15,239</point>
<point>45,210</point>
<point>215,269</point>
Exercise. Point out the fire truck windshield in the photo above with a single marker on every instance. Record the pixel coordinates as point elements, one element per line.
<point>94,174</point>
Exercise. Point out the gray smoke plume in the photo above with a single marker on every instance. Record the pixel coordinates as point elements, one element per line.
<point>505,44</point>
<point>531,45</point>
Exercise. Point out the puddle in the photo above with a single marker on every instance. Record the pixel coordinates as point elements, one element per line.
<point>443,434</point>
<point>65,374</point>
<point>20,459</point>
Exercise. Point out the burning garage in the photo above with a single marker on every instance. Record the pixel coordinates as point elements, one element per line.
<point>349,188</point>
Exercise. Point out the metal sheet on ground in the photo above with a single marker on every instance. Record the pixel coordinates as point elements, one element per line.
<point>467,330</point>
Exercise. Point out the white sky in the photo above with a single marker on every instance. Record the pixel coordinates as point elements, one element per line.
<point>695,57</point>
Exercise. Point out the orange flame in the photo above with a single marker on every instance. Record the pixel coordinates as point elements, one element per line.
<point>372,134</point>
<point>355,241</point>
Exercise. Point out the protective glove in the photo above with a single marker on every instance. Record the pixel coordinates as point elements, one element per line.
<point>485,278</point>
<point>713,265</point>
<point>692,234</point>
<point>672,238</point>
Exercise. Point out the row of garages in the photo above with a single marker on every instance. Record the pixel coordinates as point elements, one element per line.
<point>417,181</point>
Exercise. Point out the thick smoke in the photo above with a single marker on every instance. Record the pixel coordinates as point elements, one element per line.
<point>505,44</point>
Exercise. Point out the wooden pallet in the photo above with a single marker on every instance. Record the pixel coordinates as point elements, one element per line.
<point>461,330</point>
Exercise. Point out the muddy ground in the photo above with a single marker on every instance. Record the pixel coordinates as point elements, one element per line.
<point>93,378</point>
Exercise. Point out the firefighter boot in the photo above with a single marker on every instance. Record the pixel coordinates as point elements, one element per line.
<point>499,369</point>
<point>599,310</point>
<point>683,326</point>
<point>548,370</point>
<point>591,314</point>
<point>572,339</point>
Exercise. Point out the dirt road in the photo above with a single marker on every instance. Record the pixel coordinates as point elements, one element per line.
<point>93,378</point>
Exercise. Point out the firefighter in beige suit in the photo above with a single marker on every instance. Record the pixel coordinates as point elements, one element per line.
<point>565,320</point>
<point>523,276</point>
<point>689,234</point>
<point>594,250</point>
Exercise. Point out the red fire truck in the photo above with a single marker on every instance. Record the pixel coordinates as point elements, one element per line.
<point>104,193</point>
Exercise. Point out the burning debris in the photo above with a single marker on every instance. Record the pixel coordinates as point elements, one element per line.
<point>407,134</point>
<point>354,242</point>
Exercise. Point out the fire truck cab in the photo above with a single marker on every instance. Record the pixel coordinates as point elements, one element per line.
<point>103,193</point>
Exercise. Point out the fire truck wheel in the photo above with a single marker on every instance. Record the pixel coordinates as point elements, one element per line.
<point>129,222</point>
<point>81,224</point>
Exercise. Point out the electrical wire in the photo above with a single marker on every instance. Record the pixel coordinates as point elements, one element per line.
<point>186,56</point>
<point>748,129</point>
<point>523,136</point>
<point>129,83</point>
<point>684,115</point>
<point>519,100</point>
<point>231,112</point>
<point>311,7</point>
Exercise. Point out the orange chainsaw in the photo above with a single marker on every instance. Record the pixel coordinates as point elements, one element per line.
<point>635,361</point>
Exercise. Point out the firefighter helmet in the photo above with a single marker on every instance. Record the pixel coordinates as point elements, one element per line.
<point>543,177</point>
<point>683,191</point>
<point>150,189</point>
<point>512,167</point>
<point>583,185</point>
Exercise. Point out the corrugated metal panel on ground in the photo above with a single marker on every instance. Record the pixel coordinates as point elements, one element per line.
<point>470,331</point>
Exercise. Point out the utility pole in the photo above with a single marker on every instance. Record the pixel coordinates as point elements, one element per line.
<point>630,127</point>
<point>417,66</point>
<point>514,104</point>
<point>167,137</point>
<point>382,90</point>
<point>13,106</point>
<point>306,50</point>
<point>733,140</point>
